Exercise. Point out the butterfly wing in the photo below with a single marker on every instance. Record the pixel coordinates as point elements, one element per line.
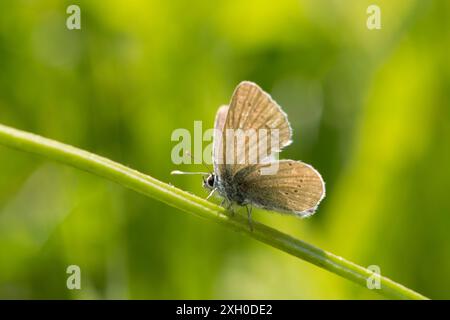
<point>296,187</point>
<point>251,109</point>
<point>219,125</point>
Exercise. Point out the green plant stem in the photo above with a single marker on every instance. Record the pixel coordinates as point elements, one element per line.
<point>185,201</point>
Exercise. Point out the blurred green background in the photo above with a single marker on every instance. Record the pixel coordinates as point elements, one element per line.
<point>369,108</point>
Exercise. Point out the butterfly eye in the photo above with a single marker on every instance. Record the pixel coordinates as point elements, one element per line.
<point>210,181</point>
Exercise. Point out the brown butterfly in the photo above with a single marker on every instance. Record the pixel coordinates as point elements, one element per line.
<point>293,188</point>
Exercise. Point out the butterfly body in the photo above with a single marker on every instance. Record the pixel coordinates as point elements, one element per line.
<point>232,188</point>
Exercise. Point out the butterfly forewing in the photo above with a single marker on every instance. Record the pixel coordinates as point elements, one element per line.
<point>296,188</point>
<point>263,126</point>
<point>219,124</point>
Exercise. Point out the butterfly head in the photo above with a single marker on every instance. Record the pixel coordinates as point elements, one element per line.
<point>210,181</point>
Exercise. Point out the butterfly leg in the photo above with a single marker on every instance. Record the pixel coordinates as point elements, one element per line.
<point>249,216</point>
<point>211,193</point>
<point>228,205</point>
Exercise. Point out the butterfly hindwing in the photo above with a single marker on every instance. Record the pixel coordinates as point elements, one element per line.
<point>295,188</point>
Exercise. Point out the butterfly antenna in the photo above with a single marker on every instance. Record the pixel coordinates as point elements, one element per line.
<point>195,160</point>
<point>175,172</point>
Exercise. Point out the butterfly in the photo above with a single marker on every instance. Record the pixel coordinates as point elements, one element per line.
<point>241,174</point>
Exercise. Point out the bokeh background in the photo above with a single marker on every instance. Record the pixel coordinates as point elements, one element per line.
<point>369,108</point>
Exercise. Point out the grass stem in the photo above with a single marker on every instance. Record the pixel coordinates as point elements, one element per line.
<point>190,203</point>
